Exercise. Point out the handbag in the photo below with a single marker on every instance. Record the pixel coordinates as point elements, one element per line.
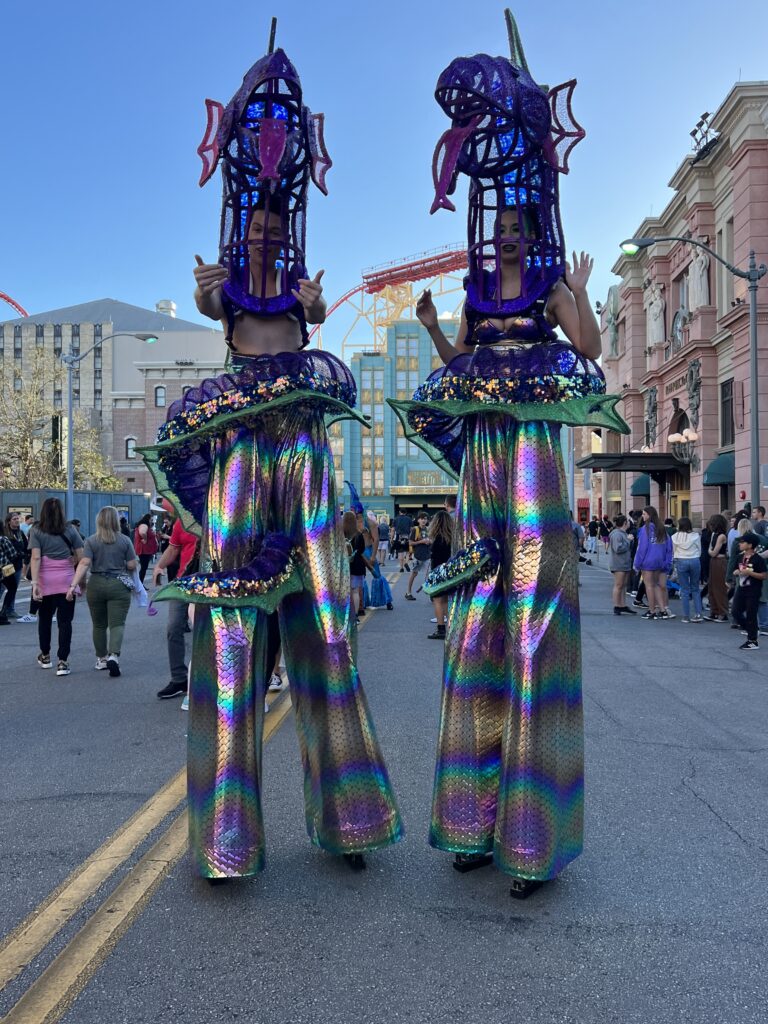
<point>8,570</point>
<point>126,580</point>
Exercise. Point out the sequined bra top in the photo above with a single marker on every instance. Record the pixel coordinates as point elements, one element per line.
<point>529,326</point>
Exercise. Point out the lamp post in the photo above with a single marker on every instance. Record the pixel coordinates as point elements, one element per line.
<point>71,360</point>
<point>752,275</point>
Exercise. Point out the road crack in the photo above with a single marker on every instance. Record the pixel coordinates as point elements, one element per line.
<point>687,783</point>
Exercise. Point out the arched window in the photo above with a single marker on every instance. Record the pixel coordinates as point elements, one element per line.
<point>160,397</point>
<point>130,447</point>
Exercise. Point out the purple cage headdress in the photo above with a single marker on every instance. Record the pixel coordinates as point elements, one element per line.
<point>269,144</point>
<point>512,138</point>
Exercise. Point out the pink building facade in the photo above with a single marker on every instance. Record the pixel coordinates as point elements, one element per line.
<point>676,329</point>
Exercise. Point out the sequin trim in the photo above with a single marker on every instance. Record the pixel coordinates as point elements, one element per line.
<point>547,388</point>
<point>479,561</point>
<point>245,397</point>
<point>271,574</point>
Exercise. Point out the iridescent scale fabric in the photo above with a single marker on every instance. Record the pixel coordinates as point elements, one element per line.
<point>509,773</point>
<point>270,472</point>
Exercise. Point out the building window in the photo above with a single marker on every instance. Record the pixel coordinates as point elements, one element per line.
<point>97,398</point>
<point>2,342</point>
<point>75,339</point>
<point>57,339</point>
<point>130,447</point>
<point>160,397</point>
<point>39,335</point>
<point>727,422</point>
<point>57,398</point>
<point>17,385</point>
<point>97,333</point>
<point>17,343</point>
<point>76,397</point>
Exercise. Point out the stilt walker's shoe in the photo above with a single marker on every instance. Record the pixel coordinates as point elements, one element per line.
<point>355,861</point>
<point>523,887</point>
<point>464,862</point>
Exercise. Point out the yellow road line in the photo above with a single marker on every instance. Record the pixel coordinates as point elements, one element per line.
<point>37,930</point>
<point>59,985</point>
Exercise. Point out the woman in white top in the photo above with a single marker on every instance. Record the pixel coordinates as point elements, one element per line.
<point>686,550</point>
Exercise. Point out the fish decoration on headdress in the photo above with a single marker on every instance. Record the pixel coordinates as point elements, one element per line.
<point>269,145</point>
<point>513,139</point>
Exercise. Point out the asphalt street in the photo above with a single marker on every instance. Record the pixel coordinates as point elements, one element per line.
<point>664,918</point>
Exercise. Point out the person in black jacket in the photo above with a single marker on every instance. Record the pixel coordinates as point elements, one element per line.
<point>440,533</point>
<point>14,533</point>
<point>751,572</point>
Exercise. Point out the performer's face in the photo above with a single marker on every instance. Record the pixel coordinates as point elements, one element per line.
<point>264,231</point>
<point>509,236</point>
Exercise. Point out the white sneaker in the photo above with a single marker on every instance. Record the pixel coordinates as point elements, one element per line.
<point>101,664</point>
<point>275,683</point>
<point>185,703</point>
<point>113,664</point>
<point>27,618</point>
<point>433,619</point>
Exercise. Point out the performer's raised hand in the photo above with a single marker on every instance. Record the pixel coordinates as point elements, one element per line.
<point>577,273</point>
<point>309,291</point>
<point>426,311</point>
<point>208,276</point>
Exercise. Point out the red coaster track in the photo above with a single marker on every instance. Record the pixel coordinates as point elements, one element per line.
<point>12,302</point>
<point>424,266</point>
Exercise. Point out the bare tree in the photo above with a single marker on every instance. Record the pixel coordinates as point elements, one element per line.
<point>33,430</point>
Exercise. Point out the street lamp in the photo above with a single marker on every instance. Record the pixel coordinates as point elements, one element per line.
<point>632,246</point>
<point>71,360</point>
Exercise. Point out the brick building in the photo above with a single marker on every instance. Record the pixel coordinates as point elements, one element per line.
<point>124,386</point>
<point>676,329</point>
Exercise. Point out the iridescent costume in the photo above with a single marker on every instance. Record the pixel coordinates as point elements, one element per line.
<point>245,459</point>
<point>509,774</point>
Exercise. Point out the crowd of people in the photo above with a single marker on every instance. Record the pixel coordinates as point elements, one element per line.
<point>109,567</point>
<point>51,554</point>
<point>419,544</point>
<point>724,564</point>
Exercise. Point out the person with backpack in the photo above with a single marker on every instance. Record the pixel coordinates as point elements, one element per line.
<point>403,526</point>
<point>620,564</point>
<point>419,544</point>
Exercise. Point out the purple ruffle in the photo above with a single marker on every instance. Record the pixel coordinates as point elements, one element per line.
<point>546,373</point>
<point>249,371</point>
<point>556,358</point>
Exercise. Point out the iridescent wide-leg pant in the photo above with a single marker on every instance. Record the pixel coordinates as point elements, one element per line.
<point>509,774</point>
<point>276,474</point>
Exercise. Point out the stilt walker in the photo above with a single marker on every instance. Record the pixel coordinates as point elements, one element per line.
<point>246,459</point>
<point>509,775</point>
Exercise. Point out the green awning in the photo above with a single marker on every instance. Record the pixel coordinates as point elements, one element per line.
<point>721,471</point>
<point>641,488</point>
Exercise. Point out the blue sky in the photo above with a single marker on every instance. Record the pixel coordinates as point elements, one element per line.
<point>103,109</point>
